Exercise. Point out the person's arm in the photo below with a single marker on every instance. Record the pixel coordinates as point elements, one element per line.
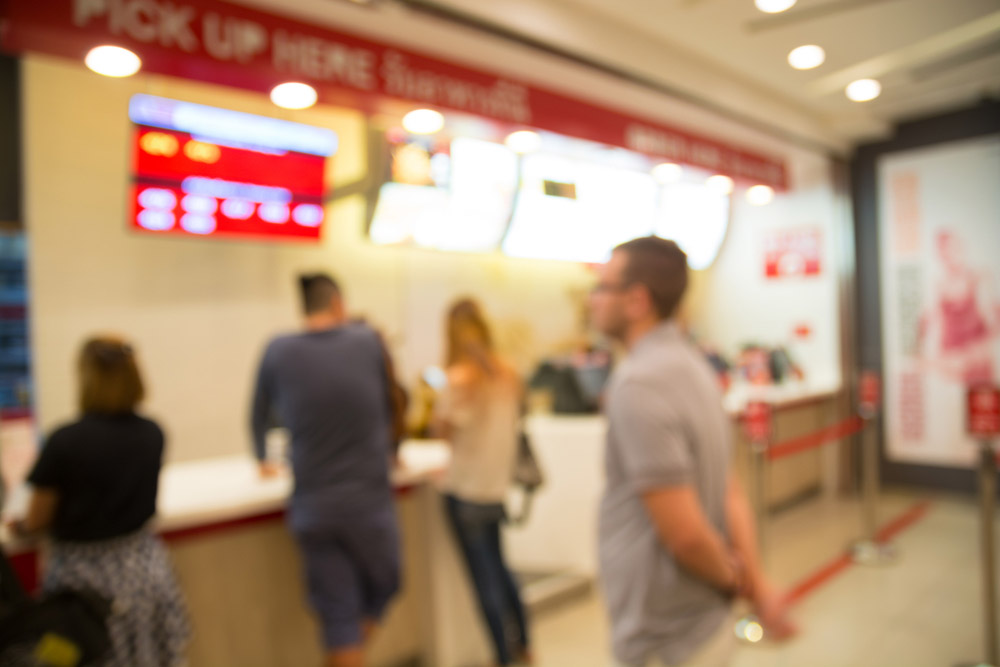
<point>656,453</point>
<point>40,515</point>
<point>455,405</point>
<point>769,604</point>
<point>686,532</point>
<point>260,417</point>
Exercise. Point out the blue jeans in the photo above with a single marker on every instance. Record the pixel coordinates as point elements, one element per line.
<point>477,529</point>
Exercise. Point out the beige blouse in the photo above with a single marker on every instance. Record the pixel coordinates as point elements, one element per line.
<point>483,415</point>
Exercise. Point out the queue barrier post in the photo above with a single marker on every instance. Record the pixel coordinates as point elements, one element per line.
<point>983,422</point>
<point>757,418</point>
<point>869,550</point>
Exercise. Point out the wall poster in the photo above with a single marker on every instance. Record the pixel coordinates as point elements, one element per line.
<point>939,230</point>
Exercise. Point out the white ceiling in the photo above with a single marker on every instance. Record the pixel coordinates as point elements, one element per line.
<point>929,55</point>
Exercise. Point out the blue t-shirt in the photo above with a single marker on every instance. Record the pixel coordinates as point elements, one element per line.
<point>328,388</point>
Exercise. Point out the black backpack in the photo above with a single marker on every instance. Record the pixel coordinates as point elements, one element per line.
<point>65,628</point>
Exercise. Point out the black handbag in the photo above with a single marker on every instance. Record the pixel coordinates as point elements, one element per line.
<point>528,476</point>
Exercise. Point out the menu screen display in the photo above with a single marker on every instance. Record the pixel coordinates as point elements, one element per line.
<point>449,196</point>
<point>205,171</point>
<point>573,210</point>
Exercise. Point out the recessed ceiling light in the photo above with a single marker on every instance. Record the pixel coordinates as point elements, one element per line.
<point>293,95</point>
<point>423,121</point>
<point>113,61</point>
<point>774,6</point>
<point>864,90</point>
<point>760,195</point>
<point>523,141</point>
<point>667,172</point>
<point>807,57</point>
<point>720,183</point>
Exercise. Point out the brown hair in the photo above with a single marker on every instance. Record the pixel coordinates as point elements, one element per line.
<point>110,383</point>
<point>661,266</point>
<point>466,326</point>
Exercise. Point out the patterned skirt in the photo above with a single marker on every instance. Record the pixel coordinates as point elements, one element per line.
<point>148,623</point>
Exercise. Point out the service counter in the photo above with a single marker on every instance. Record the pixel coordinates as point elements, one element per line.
<point>240,569</point>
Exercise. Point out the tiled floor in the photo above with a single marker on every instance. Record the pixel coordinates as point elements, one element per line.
<point>923,610</point>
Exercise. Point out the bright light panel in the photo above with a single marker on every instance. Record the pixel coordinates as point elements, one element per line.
<point>423,121</point>
<point>523,141</point>
<point>864,90</point>
<point>113,61</point>
<point>774,6</point>
<point>667,172</point>
<point>720,184</point>
<point>696,217</point>
<point>293,95</point>
<point>760,195</point>
<point>809,56</point>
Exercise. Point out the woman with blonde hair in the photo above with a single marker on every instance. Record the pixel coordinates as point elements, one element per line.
<point>94,492</point>
<point>479,413</point>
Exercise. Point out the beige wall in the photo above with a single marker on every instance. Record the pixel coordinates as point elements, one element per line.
<point>200,310</point>
<point>733,303</point>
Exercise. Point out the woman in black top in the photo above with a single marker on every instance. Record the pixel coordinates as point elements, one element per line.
<point>95,487</point>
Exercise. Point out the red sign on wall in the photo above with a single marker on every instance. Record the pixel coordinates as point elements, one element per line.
<point>757,421</point>
<point>793,252</point>
<point>984,411</point>
<point>233,45</point>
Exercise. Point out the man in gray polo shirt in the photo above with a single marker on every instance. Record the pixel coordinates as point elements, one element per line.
<point>676,534</point>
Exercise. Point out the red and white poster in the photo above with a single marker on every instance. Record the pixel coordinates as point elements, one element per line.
<point>793,252</point>
<point>939,231</point>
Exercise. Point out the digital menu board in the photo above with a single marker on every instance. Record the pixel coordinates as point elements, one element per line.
<point>450,195</point>
<point>206,171</point>
<point>696,217</point>
<point>575,210</point>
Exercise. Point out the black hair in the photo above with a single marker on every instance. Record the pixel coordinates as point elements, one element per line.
<point>318,289</point>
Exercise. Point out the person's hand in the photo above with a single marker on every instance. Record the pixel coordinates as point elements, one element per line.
<point>742,583</point>
<point>14,528</point>
<point>269,469</point>
<point>772,610</point>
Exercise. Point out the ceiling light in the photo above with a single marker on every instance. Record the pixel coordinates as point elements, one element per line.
<point>864,90</point>
<point>720,184</point>
<point>113,61</point>
<point>523,141</point>
<point>423,121</point>
<point>667,172</point>
<point>807,57</point>
<point>294,95</point>
<point>760,195</point>
<point>774,6</point>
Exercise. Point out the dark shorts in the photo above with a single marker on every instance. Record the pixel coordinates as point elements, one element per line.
<point>352,572</point>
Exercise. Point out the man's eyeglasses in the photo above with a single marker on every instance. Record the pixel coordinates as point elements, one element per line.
<point>601,288</point>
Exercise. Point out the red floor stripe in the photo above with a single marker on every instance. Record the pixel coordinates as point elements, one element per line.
<point>835,567</point>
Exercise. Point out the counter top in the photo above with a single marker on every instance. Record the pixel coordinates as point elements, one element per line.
<point>213,491</point>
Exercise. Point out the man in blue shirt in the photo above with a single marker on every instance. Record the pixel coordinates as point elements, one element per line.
<point>328,385</point>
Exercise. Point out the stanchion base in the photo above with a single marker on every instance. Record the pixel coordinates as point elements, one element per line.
<point>866,552</point>
<point>748,630</point>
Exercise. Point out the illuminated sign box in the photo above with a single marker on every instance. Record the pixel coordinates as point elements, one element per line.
<point>205,171</point>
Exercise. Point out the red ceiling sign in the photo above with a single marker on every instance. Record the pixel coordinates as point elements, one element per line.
<point>229,44</point>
